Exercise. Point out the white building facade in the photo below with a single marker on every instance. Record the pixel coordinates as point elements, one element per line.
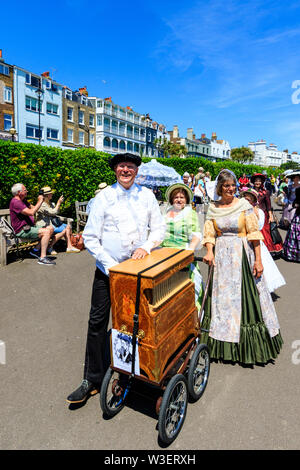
<point>220,149</point>
<point>118,129</point>
<point>267,155</point>
<point>37,108</point>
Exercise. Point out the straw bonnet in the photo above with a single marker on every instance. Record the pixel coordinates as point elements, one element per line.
<point>249,191</point>
<point>182,186</point>
<point>47,190</point>
<point>101,186</point>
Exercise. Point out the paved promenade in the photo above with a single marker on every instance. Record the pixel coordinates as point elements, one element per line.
<point>43,323</point>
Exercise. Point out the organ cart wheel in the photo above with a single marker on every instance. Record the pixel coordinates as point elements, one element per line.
<point>173,409</point>
<point>198,371</point>
<point>113,392</point>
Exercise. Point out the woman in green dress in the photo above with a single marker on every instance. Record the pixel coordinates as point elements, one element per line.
<point>183,229</point>
<point>240,321</point>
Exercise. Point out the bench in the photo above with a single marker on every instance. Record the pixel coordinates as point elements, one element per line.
<point>81,214</point>
<point>8,245</point>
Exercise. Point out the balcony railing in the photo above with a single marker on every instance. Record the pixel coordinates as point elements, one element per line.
<point>124,116</point>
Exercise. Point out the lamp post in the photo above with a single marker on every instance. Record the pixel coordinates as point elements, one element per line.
<point>12,131</point>
<point>39,91</point>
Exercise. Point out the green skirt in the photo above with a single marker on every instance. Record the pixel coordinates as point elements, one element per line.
<point>256,345</point>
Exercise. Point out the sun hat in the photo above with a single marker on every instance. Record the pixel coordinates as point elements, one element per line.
<point>124,157</point>
<point>294,173</point>
<point>186,174</point>
<point>183,186</point>
<point>258,175</point>
<point>249,191</point>
<point>47,190</point>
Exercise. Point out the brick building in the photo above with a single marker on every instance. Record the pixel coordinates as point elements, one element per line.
<point>79,119</point>
<point>7,119</point>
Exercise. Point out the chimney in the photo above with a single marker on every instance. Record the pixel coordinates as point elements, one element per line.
<point>1,58</point>
<point>189,133</point>
<point>175,132</point>
<point>202,136</point>
<point>194,136</point>
<point>214,136</point>
<point>83,91</point>
<point>46,74</point>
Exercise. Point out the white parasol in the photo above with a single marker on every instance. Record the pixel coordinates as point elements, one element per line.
<point>154,174</point>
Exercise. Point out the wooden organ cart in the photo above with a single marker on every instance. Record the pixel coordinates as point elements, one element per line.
<point>155,336</point>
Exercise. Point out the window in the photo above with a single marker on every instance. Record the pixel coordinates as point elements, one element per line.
<point>99,104</point>
<point>68,94</point>
<point>81,138</point>
<point>129,130</point>
<point>52,134</point>
<point>70,114</point>
<point>8,94</point>
<point>99,120</point>
<point>70,135</point>
<point>33,132</point>
<point>92,140</point>
<point>121,128</point>
<point>92,120</point>
<point>48,84</point>
<point>81,117</point>
<point>32,80</point>
<point>106,142</point>
<point>84,100</point>
<point>32,104</point>
<point>114,127</point>
<point>4,69</point>
<point>52,108</point>
<point>7,122</point>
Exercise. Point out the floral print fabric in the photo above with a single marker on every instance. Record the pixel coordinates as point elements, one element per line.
<point>230,234</point>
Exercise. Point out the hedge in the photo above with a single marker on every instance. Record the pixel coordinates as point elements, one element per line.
<point>77,173</point>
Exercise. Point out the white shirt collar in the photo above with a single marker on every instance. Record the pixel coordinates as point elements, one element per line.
<point>129,192</point>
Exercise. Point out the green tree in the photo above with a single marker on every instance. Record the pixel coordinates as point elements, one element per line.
<point>170,149</point>
<point>290,166</point>
<point>242,155</point>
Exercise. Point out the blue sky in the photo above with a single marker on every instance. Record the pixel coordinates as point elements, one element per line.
<point>224,67</point>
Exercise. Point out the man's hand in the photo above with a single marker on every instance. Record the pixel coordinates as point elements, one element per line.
<point>139,253</point>
<point>40,198</point>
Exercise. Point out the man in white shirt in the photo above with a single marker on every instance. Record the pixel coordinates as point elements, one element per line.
<point>124,222</point>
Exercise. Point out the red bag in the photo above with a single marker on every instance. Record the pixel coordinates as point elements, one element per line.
<point>77,241</point>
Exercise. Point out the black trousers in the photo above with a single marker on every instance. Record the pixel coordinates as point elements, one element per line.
<point>97,357</point>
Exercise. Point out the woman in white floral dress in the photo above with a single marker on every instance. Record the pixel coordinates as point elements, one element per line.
<point>240,323</point>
